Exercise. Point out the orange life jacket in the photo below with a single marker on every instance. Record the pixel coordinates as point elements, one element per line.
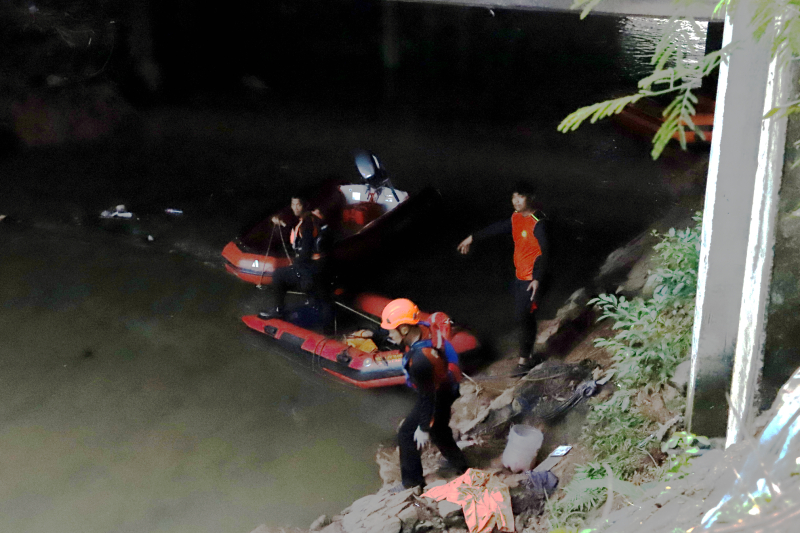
<point>296,232</point>
<point>437,361</point>
<point>526,245</point>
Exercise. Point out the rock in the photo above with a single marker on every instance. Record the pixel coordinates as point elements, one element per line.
<point>446,509</point>
<point>409,517</point>
<point>498,411</point>
<point>681,377</point>
<point>503,400</point>
<point>388,525</point>
<point>452,514</point>
<point>388,460</point>
<point>334,527</point>
<point>361,504</point>
<point>266,529</point>
<point>424,526</point>
<point>397,509</point>
<point>320,523</point>
<point>620,262</point>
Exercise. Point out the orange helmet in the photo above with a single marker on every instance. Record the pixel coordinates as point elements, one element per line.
<point>400,311</point>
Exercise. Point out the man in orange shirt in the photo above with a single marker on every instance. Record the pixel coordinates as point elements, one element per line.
<point>527,227</point>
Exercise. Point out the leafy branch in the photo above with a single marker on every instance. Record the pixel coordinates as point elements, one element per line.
<point>599,110</point>
<point>586,6</point>
<point>777,20</point>
<point>682,77</point>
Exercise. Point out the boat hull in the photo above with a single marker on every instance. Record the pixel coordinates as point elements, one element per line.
<point>256,262</point>
<point>366,370</point>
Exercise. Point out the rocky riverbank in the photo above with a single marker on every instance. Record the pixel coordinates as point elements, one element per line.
<point>549,398</point>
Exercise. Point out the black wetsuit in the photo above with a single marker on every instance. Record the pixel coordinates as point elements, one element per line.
<point>307,274</point>
<point>431,413</point>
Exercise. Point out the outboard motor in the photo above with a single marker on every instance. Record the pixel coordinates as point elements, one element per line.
<point>374,175</point>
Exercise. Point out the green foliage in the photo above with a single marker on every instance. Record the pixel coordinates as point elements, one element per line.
<point>653,337</point>
<point>777,20</point>
<point>586,6</point>
<point>597,111</point>
<point>672,73</point>
<point>685,444</point>
<point>592,485</point>
<point>613,432</point>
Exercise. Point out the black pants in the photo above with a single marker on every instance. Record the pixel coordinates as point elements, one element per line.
<point>311,279</point>
<point>525,316</point>
<point>441,436</point>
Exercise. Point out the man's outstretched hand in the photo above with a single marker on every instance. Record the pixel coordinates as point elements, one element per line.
<point>464,245</point>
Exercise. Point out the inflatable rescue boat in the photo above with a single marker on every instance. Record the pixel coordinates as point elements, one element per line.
<point>357,354</point>
<point>370,213</point>
<point>645,117</point>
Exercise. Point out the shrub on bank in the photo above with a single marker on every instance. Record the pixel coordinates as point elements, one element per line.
<point>624,432</point>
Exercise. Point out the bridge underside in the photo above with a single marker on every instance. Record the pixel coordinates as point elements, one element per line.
<point>700,9</point>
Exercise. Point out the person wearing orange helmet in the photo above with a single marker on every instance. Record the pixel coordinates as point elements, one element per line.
<point>531,253</point>
<point>433,372</point>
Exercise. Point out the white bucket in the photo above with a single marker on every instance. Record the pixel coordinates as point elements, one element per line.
<point>523,445</point>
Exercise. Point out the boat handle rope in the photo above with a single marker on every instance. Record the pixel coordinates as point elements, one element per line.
<point>362,315</point>
<point>283,242</point>
<point>269,245</point>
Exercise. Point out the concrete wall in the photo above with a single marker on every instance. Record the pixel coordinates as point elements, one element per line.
<point>782,345</point>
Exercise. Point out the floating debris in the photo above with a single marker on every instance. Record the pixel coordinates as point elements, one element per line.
<point>117,212</point>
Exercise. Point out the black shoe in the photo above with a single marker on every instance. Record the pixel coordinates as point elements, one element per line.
<point>521,370</point>
<point>448,469</point>
<point>277,312</point>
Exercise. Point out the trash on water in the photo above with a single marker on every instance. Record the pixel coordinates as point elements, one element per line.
<point>171,211</point>
<point>116,212</point>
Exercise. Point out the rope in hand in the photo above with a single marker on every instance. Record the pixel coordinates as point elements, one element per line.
<point>269,245</point>
<point>285,250</point>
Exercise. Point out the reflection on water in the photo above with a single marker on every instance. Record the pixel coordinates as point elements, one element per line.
<point>639,37</point>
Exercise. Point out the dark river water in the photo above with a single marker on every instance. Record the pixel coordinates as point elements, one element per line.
<point>134,399</point>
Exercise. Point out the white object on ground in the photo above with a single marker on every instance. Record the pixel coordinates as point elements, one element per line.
<point>523,445</point>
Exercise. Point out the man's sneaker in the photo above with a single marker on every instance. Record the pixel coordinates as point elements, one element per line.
<point>400,488</point>
<point>522,370</point>
<point>276,312</point>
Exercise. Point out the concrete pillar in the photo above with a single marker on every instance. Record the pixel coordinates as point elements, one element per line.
<point>732,187</point>
<point>749,356</point>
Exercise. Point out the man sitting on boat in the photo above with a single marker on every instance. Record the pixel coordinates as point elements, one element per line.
<point>307,273</point>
